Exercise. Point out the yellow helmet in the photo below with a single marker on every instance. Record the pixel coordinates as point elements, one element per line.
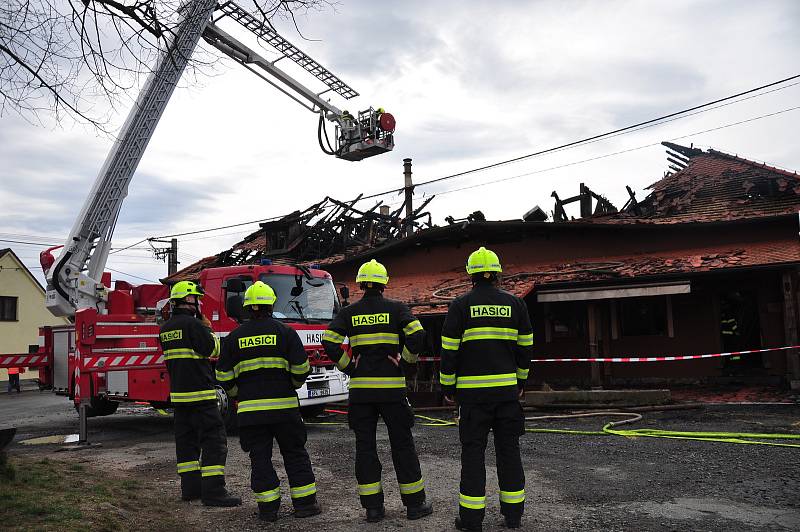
<point>259,293</point>
<point>483,260</point>
<point>182,289</point>
<point>372,272</point>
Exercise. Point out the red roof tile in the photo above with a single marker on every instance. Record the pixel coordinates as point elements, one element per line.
<point>715,186</point>
<point>431,292</point>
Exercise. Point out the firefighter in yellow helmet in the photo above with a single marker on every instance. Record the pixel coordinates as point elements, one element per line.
<point>200,440</point>
<point>379,330</point>
<point>263,362</point>
<point>487,342</point>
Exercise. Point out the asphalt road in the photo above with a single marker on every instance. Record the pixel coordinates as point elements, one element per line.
<point>573,482</point>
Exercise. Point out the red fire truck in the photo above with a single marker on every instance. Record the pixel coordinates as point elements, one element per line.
<point>124,341</point>
<point>111,353</point>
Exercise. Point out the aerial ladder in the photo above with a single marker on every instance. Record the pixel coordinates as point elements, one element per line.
<point>74,281</point>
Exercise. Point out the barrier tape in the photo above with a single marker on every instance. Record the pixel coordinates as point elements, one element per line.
<point>665,358</point>
<point>121,362</point>
<point>23,361</point>
<point>645,359</point>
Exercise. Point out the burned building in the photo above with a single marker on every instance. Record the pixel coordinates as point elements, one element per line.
<point>706,263</point>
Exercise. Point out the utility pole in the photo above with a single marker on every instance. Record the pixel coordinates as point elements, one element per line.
<point>172,262</point>
<point>169,254</point>
<point>409,189</point>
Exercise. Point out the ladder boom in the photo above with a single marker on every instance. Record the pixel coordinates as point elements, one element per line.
<point>73,282</point>
<point>235,49</point>
<point>290,51</point>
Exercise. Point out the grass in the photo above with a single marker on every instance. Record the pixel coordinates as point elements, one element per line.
<point>43,494</point>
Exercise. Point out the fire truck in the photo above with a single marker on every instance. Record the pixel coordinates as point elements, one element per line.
<point>121,353</point>
<point>111,352</point>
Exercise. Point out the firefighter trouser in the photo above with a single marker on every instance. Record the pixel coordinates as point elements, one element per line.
<point>291,437</point>
<point>201,448</point>
<point>13,382</point>
<point>399,418</point>
<point>508,424</point>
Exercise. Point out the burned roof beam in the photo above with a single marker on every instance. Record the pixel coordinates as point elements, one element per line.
<point>683,150</point>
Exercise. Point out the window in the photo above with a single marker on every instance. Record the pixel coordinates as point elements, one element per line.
<point>566,320</point>
<point>643,316</point>
<point>316,298</point>
<point>8,308</point>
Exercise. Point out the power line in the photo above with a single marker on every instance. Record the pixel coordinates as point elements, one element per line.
<point>574,163</point>
<point>110,269</point>
<point>624,130</point>
<point>47,245</point>
<point>216,236</point>
<point>593,138</point>
<point>128,247</point>
<point>131,275</point>
<point>24,243</point>
<point>627,129</point>
<point>222,227</point>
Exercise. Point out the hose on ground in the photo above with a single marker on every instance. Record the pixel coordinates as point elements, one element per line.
<point>610,429</point>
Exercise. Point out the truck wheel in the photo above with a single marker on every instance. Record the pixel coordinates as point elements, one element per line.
<point>312,411</point>
<point>98,406</point>
<point>102,406</point>
<point>227,410</point>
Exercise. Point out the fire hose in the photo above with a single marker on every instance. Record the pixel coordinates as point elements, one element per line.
<point>610,429</point>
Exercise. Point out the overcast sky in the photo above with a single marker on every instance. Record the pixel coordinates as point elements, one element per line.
<point>469,82</point>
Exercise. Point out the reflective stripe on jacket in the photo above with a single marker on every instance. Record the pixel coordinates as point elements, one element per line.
<point>487,342</point>
<point>377,328</point>
<point>263,361</point>
<point>187,345</point>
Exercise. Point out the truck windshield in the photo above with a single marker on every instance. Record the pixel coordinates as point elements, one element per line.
<point>317,301</point>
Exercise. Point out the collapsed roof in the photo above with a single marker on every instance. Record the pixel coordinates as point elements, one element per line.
<point>703,187</point>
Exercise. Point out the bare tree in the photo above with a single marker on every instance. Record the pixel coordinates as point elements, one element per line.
<point>78,58</point>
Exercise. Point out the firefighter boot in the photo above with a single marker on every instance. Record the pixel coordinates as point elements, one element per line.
<point>375,514</point>
<point>309,510</point>
<point>512,522</point>
<point>215,494</point>
<point>268,512</point>
<point>190,486</point>
<point>419,511</point>
<point>471,527</point>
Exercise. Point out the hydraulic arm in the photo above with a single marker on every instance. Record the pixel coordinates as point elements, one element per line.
<point>73,281</point>
<point>357,137</point>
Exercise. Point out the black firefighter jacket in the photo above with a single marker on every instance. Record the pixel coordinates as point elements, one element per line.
<point>262,363</point>
<point>187,344</point>
<point>487,342</point>
<point>377,328</point>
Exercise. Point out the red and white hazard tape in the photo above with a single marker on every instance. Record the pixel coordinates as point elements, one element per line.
<point>665,358</point>
<point>121,362</point>
<point>22,361</point>
<point>645,359</point>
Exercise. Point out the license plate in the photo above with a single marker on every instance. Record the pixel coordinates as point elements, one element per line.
<point>319,392</point>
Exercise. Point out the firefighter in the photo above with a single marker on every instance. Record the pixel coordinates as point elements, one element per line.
<point>380,330</point>
<point>13,379</point>
<point>486,350</point>
<point>262,363</point>
<point>200,441</point>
